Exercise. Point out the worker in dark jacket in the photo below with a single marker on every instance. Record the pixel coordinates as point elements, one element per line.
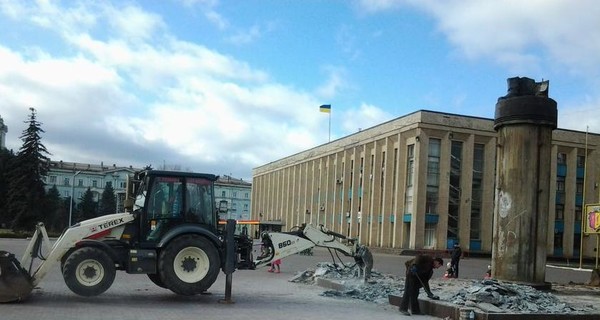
<point>456,255</point>
<point>418,272</point>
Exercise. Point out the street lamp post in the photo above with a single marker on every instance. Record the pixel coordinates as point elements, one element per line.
<point>72,195</point>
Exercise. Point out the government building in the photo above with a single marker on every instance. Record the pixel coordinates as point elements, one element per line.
<point>425,180</point>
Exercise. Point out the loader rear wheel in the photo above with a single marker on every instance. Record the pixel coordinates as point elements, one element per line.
<point>189,265</point>
<point>89,271</point>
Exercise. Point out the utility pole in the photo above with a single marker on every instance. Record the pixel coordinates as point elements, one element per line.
<point>72,195</point>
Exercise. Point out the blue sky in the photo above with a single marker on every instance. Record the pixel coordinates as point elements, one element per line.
<point>226,86</point>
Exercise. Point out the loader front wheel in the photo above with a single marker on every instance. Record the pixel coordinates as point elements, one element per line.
<point>89,271</point>
<point>189,265</point>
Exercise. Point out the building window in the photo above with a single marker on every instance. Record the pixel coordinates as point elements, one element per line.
<point>560,184</point>
<point>455,189</point>
<point>579,187</point>
<point>477,191</point>
<point>395,171</point>
<point>433,176</point>
<point>108,184</point>
<point>560,212</point>
<point>577,213</point>
<point>52,179</point>
<point>429,236</point>
<point>560,190</point>
<point>80,183</point>
<point>580,161</point>
<point>223,194</point>
<point>94,183</point>
<point>410,167</point>
<point>234,194</point>
<point>558,241</point>
<point>561,158</point>
<point>245,206</point>
<point>246,195</point>
<point>66,182</point>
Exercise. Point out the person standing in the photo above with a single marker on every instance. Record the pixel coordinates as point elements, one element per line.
<point>275,266</point>
<point>418,272</point>
<point>455,259</point>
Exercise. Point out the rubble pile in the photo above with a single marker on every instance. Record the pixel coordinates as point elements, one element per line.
<point>488,295</point>
<point>495,296</point>
<point>376,289</point>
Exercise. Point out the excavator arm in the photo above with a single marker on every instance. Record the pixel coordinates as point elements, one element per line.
<point>278,245</point>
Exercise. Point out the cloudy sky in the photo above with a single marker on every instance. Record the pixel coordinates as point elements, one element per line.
<point>226,86</point>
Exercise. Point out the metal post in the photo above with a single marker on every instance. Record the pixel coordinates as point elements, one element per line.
<point>72,195</point>
<point>581,233</point>
<point>330,126</point>
<point>230,259</point>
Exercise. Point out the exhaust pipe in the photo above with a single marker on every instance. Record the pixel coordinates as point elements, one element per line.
<point>15,281</point>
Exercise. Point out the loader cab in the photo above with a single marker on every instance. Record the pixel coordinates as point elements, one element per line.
<point>168,200</point>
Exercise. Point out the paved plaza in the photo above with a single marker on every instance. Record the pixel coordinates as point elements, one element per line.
<point>256,294</point>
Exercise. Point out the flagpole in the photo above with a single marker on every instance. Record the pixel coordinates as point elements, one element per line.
<point>329,125</point>
<point>581,233</point>
<point>327,108</point>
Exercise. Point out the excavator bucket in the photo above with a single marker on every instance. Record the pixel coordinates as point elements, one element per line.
<point>364,259</point>
<point>15,282</point>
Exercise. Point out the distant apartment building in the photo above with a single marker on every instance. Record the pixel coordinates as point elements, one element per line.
<point>73,179</point>
<point>425,180</point>
<point>237,193</point>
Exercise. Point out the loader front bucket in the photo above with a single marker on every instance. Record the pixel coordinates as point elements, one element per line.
<point>15,282</point>
<point>364,259</point>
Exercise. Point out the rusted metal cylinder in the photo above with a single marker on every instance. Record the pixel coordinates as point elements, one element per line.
<point>524,120</point>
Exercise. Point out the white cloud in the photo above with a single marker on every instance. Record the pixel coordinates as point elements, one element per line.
<point>133,23</point>
<point>246,36</point>
<point>363,117</point>
<point>144,102</point>
<point>208,9</point>
<point>335,81</point>
<point>374,6</point>
<point>581,115</point>
<point>347,40</point>
<point>547,38</point>
<point>517,32</point>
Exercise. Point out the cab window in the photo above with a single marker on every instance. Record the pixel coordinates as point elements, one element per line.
<point>199,201</point>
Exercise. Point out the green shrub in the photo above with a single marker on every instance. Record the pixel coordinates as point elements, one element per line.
<point>7,233</point>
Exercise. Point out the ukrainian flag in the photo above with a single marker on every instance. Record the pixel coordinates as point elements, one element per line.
<point>325,108</point>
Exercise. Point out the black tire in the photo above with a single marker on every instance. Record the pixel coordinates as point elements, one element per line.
<point>89,271</point>
<point>189,265</point>
<point>155,278</point>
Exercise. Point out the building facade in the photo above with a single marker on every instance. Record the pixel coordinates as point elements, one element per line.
<point>73,179</point>
<point>422,181</point>
<point>237,194</point>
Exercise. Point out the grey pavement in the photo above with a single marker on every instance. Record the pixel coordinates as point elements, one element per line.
<point>256,294</point>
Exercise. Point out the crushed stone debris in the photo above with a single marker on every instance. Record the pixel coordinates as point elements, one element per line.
<point>489,295</point>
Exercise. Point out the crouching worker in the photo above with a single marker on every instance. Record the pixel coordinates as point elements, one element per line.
<point>418,272</point>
